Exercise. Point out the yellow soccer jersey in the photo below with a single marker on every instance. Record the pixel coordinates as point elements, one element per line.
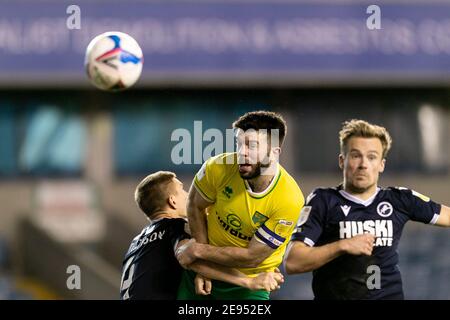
<point>237,213</point>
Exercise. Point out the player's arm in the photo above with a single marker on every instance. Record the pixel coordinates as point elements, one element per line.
<point>268,238</point>
<point>421,208</point>
<point>302,254</point>
<point>196,212</point>
<point>303,258</point>
<point>249,257</point>
<point>444,217</point>
<point>268,281</point>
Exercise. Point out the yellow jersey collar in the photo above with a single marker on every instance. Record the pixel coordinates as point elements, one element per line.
<point>269,188</point>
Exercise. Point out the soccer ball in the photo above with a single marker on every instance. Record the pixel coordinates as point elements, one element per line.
<point>113,61</point>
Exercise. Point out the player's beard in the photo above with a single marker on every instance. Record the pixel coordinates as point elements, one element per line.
<point>256,169</point>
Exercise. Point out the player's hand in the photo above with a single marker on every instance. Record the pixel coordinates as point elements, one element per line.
<point>186,253</point>
<point>361,244</point>
<point>268,281</point>
<point>203,285</point>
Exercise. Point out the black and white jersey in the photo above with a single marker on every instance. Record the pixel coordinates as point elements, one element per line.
<point>332,214</point>
<point>150,268</point>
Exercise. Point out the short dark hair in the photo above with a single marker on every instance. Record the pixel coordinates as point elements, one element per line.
<point>258,120</point>
<point>152,192</point>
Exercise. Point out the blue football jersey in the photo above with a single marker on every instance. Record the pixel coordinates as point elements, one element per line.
<point>150,270</point>
<point>331,214</point>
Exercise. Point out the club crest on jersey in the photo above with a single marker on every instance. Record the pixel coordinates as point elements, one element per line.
<point>385,209</point>
<point>258,219</point>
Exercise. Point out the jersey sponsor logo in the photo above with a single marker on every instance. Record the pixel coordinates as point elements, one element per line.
<point>233,226</point>
<point>385,209</point>
<point>227,192</point>
<point>258,219</point>
<point>346,209</point>
<point>382,229</point>
<point>283,227</point>
<point>234,221</point>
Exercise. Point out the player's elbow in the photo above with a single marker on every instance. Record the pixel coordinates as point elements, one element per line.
<point>292,267</point>
<point>253,260</point>
<point>289,267</point>
<point>295,264</point>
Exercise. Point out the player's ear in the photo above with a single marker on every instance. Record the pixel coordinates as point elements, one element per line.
<point>276,151</point>
<point>382,165</point>
<point>341,161</point>
<point>172,202</point>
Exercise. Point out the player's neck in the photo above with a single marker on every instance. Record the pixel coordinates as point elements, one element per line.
<point>362,195</point>
<point>170,214</point>
<point>262,182</point>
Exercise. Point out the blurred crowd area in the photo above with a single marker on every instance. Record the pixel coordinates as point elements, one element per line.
<point>71,156</point>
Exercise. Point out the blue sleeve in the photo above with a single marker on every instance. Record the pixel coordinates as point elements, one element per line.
<point>312,219</point>
<point>418,207</point>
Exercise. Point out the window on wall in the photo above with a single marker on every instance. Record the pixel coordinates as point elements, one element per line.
<point>143,129</point>
<point>8,163</point>
<point>53,142</point>
<point>155,135</point>
<point>50,138</point>
<point>419,130</point>
<point>42,140</point>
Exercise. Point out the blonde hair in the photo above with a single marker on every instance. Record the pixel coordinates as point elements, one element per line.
<point>364,129</point>
<point>152,192</point>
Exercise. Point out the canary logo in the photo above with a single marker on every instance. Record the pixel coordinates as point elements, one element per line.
<point>259,219</point>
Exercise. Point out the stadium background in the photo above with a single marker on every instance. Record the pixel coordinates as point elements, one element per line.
<point>71,156</point>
